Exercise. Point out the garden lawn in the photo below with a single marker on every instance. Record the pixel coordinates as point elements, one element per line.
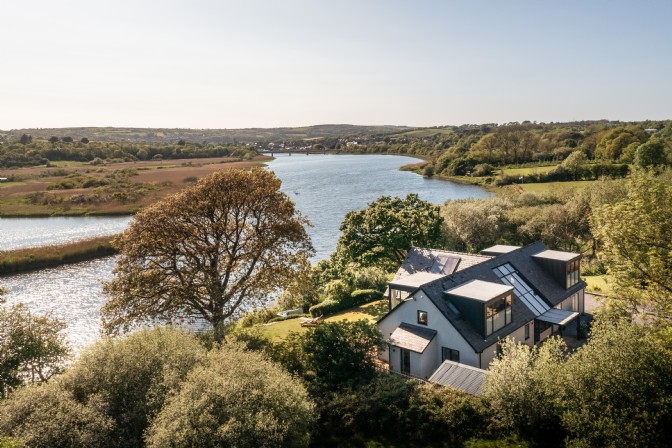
<point>370,311</point>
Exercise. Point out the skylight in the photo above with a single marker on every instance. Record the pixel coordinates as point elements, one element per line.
<point>508,274</point>
<point>444,264</point>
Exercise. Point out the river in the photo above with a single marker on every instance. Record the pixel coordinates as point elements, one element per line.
<point>324,187</point>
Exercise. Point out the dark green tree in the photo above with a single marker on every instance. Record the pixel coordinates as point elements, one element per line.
<point>651,154</point>
<point>382,233</point>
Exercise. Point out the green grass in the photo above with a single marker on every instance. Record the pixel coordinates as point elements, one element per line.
<point>526,171</point>
<point>370,311</point>
<point>597,283</point>
<point>550,187</point>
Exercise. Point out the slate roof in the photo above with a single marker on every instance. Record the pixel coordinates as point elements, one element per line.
<point>412,337</point>
<point>459,376</point>
<point>416,280</point>
<point>421,260</point>
<point>531,270</point>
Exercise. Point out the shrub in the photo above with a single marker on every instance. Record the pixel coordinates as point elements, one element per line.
<point>370,278</point>
<point>482,169</point>
<point>236,398</point>
<point>133,376</point>
<point>358,297</point>
<point>48,416</point>
<point>337,290</point>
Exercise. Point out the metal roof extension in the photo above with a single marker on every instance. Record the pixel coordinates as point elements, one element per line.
<point>412,337</point>
<point>558,317</point>
<point>459,376</point>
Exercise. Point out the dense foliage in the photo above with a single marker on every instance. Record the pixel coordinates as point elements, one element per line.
<point>32,348</point>
<point>635,237</point>
<point>36,153</point>
<point>614,391</point>
<point>235,398</point>
<point>387,228</point>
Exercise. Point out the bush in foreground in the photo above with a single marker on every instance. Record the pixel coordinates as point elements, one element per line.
<point>235,398</point>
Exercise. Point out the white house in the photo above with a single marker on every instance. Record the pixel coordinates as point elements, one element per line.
<point>457,307</point>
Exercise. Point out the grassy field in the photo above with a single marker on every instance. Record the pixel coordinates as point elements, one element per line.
<point>74,188</point>
<point>529,170</point>
<point>370,311</point>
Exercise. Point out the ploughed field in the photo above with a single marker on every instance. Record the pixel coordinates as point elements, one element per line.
<point>72,188</point>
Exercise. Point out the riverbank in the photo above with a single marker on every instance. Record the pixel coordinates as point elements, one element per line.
<point>34,258</point>
<point>113,189</point>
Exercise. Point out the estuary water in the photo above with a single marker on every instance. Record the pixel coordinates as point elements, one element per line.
<point>324,188</point>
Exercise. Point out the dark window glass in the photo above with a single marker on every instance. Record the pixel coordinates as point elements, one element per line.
<point>422,317</point>
<point>450,354</point>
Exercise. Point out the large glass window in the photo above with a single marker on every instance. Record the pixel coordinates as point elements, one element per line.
<point>497,314</point>
<point>450,354</point>
<point>573,268</point>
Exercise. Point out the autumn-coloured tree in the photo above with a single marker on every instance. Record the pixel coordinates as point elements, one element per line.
<point>230,241</point>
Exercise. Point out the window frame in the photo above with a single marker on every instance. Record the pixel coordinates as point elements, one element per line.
<point>426,319</point>
<point>453,355</point>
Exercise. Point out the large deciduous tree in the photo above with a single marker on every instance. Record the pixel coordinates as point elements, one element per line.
<point>636,245</point>
<point>382,233</point>
<point>231,240</point>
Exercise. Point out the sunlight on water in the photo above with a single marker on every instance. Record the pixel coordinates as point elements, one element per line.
<point>72,292</point>
<point>17,233</point>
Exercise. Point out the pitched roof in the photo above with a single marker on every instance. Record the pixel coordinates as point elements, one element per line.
<point>412,337</point>
<point>459,376</point>
<point>422,260</point>
<point>549,289</point>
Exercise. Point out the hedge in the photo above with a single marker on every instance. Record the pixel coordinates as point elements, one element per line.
<point>358,297</point>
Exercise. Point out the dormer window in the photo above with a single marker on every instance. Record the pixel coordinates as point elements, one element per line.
<point>573,268</point>
<point>497,314</point>
<point>563,266</point>
<point>485,305</point>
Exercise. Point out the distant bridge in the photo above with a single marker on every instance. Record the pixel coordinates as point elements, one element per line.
<point>300,151</point>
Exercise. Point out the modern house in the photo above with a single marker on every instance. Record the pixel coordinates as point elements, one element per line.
<point>456,307</point>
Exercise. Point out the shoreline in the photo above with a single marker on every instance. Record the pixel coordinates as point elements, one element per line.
<point>28,259</point>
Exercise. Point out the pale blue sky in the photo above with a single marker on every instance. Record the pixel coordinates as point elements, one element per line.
<point>232,64</point>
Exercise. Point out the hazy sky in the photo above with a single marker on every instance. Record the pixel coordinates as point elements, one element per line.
<point>232,64</point>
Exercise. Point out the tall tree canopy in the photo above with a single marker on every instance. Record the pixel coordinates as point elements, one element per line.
<point>636,238</point>
<point>229,241</point>
<point>382,233</point>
